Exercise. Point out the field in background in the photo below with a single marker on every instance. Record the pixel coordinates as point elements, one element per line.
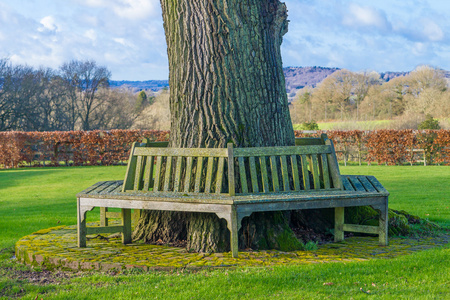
<point>37,198</point>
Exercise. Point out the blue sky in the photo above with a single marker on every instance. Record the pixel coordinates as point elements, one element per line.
<point>127,35</point>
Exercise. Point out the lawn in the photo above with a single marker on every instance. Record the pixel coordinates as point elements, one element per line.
<point>33,199</point>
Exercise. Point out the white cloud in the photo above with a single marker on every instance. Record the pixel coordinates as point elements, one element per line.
<point>48,24</point>
<point>432,31</point>
<point>91,34</point>
<point>127,9</point>
<point>363,16</point>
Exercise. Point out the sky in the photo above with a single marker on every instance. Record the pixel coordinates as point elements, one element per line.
<point>127,36</point>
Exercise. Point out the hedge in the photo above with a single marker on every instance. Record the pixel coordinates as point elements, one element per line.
<point>390,147</point>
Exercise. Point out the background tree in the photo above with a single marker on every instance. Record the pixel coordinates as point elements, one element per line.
<point>226,85</point>
<point>83,79</point>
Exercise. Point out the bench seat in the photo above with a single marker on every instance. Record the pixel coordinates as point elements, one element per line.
<point>356,191</point>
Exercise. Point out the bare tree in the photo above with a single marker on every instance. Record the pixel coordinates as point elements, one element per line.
<point>83,79</point>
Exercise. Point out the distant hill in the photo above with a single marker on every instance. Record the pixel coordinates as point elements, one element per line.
<point>153,85</point>
<point>296,79</point>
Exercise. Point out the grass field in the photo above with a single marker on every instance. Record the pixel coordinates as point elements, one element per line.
<point>33,199</point>
<point>351,125</point>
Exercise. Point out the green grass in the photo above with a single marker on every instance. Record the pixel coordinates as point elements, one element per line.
<point>33,199</point>
<point>351,125</point>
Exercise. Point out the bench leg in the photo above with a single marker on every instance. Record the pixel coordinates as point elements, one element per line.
<point>81,226</point>
<point>126,220</point>
<point>339,224</point>
<point>234,233</point>
<point>103,218</point>
<point>384,220</point>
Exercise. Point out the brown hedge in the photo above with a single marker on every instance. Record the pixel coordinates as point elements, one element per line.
<point>112,147</point>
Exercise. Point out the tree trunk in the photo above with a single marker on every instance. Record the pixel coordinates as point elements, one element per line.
<point>226,85</point>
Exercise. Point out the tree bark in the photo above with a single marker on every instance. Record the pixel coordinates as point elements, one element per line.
<point>226,85</point>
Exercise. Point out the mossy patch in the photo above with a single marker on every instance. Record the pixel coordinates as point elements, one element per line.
<point>57,249</point>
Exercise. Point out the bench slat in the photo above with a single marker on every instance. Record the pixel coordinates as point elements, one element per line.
<point>357,184</point>
<point>326,175</point>
<point>346,183</point>
<point>377,184</point>
<point>265,178</point>
<point>168,174</point>
<point>315,171</point>
<point>295,176</point>
<point>252,163</point>
<point>280,151</point>
<point>148,179</point>
<point>367,185</point>
<point>198,174</point>
<point>243,175</point>
<point>187,179</point>
<point>157,173</point>
<point>176,183</point>
<point>274,168</point>
<point>334,166</point>
<point>203,152</point>
<point>305,173</point>
<point>219,177</point>
<point>138,174</point>
<point>284,170</point>
<point>209,175</point>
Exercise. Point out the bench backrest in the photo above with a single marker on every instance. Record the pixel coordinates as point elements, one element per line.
<point>310,165</point>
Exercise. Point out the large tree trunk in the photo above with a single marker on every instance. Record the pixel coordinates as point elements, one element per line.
<point>226,85</point>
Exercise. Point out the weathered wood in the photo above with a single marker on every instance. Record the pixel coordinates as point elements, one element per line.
<point>274,168</point>
<point>295,173</point>
<point>242,175</point>
<point>157,172</point>
<point>326,175</point>
<point>219,177</point>
<point>131,169</point>
<point>336,191</point>
<point>187,180</point>
<point>284,173</point>
<point>168,173</point>
<point>195,152</point>
<point>315,171</point>
<point>264,176</point>
<point>209,175</point>
<point>305,174</point>
<point>231,183</point>
<point>254,177</point>
<point>148,179</point>
<point>338,224</point>
<point>198,174</point>
<point>279,151</point>
<point>103,216</point>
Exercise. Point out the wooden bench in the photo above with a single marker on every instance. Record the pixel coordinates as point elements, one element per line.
<point>233,183</point>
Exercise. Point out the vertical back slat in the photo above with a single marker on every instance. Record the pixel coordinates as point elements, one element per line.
<point>209,173</point>
<point>231,183</point>
<point>243,175</point>
<point>315,171</point>
<point>168,174</point>
<point>176,183</point>
<point>326,174</point>
<point>198,175</point>
<point>274,168</point>
<point>138,174</point>
<point>305,173</point>
<point>128,183</point>
<point>157,173</point>
<point>295,176</point>
<point>334,166</point>
<point>149,172</point>
<point>219,177</point>
<point>265,178</point>
<point>187,178</point>
<point>284,169</point>
<point>253,175</point>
